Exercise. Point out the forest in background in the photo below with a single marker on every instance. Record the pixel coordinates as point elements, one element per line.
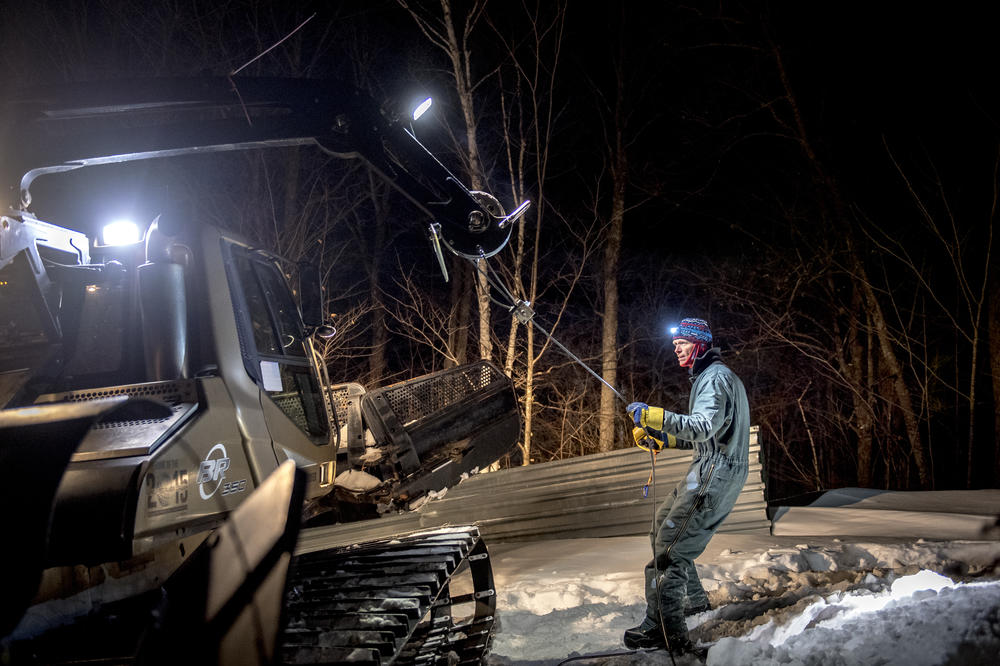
<point>821,187</point>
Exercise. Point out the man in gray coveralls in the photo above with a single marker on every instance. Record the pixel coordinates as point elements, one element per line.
<point>717,427</point>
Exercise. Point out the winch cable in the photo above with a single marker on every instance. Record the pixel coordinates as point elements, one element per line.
<point>523,313</point>
<point>521,310</point>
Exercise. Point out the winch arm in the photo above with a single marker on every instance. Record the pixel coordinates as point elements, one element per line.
<point>53,130</point>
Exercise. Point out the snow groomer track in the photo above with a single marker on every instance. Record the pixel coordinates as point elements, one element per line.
<point>389,602</point>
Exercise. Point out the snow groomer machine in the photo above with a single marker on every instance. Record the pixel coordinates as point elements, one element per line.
<point>168,425</point>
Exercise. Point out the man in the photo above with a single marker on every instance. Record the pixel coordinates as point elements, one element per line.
<point>717,427</point>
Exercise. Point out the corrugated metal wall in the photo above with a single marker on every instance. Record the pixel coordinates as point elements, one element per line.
<point>591,496</point>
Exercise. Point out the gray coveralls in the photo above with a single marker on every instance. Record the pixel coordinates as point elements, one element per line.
<point>717,427</point>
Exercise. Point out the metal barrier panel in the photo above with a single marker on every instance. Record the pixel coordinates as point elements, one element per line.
<point>599,495</point>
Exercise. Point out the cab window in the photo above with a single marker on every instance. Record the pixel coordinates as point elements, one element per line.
<point>271,340</point>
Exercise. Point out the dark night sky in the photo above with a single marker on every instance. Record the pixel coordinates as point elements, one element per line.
<point>917,81</point>
<point>920,79</point>
<point>904,73</point>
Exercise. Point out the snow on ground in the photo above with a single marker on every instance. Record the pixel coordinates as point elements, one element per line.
<point>776,600</point>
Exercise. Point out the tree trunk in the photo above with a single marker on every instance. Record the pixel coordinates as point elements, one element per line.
<point>461,63</point>
<point>818,478</point>
<point>529,395</point>
<point>380,332</point>
<point>483,301</point>
<point>530,359</point>
<point>972,406</point>
<point>860,393</point>
<point>609,329</point>
<point>994,345</point>
<point>899,386</point>
<point>519,289</point>
<point>458,320</point>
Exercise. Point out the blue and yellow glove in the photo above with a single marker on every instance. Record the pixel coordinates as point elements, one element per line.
<point>643,415</point>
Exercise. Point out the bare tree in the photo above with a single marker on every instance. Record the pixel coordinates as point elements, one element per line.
<point>620,131</point>
<point>994,337</point>
<point>452,35</point>
<point>969,257</point>
<point>836,215</point>
<point>420,319</point>
<point>530,110</point>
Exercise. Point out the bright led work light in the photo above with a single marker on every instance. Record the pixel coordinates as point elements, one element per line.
<point>120,232</point>
<point>421,108</point>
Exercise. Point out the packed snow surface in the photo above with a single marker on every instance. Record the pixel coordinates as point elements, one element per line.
<point>954,514</point>
<point>776,600</point>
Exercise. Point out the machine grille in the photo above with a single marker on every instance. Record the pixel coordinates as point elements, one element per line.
<point>135,431</point>
<point>416,399</point>
<point>172,392</point>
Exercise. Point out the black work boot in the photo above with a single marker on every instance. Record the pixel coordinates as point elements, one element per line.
<point>694,610</point>
<point>646,635</point>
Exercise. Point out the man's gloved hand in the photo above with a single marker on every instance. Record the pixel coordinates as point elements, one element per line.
<point>644,415</point>
<point>647,442</point>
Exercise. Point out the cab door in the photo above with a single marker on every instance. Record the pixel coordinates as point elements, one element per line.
<point>277,356</point>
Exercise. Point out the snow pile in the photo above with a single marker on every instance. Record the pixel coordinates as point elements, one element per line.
<point>775,601</point>
<point>920,619</point>
<point>736,573</point>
